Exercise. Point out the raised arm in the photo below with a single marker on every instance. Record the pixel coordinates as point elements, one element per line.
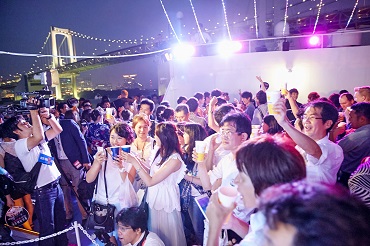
<point>211,118</point>
<point>305,142</point>
<point>37,132</point>
<point>293,105</point>
<point>262,84</point>
<point>50,120</point>
<point>170,166</point>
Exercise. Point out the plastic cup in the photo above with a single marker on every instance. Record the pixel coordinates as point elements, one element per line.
<point>115,151</point>
<point>284,91</point>
<point>227,195</point>
<point>272,98</point>
<point>255,129</point>
<point>200,148</point>
<point>126,148</point>
<point>109,113</point>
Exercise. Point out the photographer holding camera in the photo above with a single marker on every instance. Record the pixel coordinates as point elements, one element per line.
<point>31,148</point>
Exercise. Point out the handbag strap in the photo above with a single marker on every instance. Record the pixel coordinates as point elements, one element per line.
<point>143,201</point>
<point>261,112</point>
<point>105,180</point>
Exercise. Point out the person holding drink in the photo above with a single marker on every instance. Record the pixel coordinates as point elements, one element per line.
<point>285,164</point>
<point>235,129</point>
<point>163,196</point>
<point>143,144</point>
<point>119,177</point>
<point>194,134</point>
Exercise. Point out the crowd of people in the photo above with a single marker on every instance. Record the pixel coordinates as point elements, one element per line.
<point>302,173</point>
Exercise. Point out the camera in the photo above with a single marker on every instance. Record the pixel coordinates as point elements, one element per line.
<point>44,102</point>
<point>43,98</point>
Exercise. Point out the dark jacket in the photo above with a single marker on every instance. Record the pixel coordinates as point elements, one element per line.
<point>73,142</point>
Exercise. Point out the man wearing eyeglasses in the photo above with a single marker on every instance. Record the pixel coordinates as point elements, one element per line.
<point>235,128</point>
<point>323,157</point>
<point>132,228</point>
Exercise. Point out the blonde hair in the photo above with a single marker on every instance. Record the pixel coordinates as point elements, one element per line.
<point>140,117</point>
<point>364,91</point>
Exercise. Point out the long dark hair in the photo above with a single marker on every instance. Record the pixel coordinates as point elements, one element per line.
<point>273,125</point>
<point>196,132</point>
<point>166,132</point>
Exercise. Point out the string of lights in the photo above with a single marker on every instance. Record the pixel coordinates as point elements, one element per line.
<point>255,17</point>
<point>285,16</point>
<point>169,22</point>
<point>350,18</point>
<point>116,41</point>
<point>216,29</point>
<point>196,20</point>
<point>226,22</point>
<point>40,52</point>
<point>81,57</point>
<point>317,17</point>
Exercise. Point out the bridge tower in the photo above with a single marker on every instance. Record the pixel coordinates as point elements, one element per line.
<point>58,61</point>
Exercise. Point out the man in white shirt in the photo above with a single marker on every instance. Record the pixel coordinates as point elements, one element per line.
<point>132,228</point>
<point>31,147</point>
<point>234,130</point>
<point>323,157</point>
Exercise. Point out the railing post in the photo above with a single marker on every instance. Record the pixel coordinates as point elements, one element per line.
<point>77,233</point>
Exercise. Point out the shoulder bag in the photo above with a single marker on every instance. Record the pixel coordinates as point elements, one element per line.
<point>101,216</point>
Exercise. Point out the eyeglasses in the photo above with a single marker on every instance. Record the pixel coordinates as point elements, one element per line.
<point>227,133</point>
<point>310,117</point>
<point>124,229</point>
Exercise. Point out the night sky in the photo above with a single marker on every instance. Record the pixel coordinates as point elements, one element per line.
<point>24,26</point>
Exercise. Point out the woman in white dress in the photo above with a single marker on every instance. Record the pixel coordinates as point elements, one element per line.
<point>142,146</point>
<point>163,197</point>
<point>119,179</point>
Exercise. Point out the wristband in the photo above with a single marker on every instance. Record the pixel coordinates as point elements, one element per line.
<point>48,118</point>
<point>122,170</point>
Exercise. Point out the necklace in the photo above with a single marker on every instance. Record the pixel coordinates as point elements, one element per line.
<point>142,149</point>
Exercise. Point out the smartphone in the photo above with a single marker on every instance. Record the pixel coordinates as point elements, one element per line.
<point>202,202</point>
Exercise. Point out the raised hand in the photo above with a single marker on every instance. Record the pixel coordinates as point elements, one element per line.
<point>99,158</point>
<point>280,110</point>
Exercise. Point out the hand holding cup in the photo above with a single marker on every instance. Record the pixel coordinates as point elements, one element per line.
<point>200,148</point>
<point>227,196</point>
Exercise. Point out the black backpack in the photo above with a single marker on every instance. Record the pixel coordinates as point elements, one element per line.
<point>24,182</point>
